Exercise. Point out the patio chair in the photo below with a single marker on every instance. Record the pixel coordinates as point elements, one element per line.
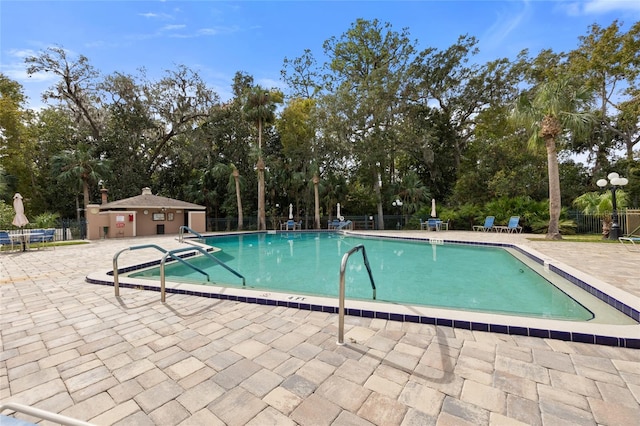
<point>488,225</point>
<point>630,240</point>
<point>512,227</point>
<point>5,239</point>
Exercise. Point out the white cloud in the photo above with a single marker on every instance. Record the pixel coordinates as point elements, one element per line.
<point>604,6</point>
<point>597,7</point>
<point>173,27</point>
<point>152,15</point>
<point>505,24</point>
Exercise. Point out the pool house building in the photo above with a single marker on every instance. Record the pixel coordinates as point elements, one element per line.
<point>143,215</point>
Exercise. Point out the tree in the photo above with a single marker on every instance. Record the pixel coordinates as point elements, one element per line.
<point>77,87</point>
<point>610,64</point>
<point>80,165</point>
<point>546,112</point>
<point>259,108</point>
<point>367,75</point>
<point>16,144</point>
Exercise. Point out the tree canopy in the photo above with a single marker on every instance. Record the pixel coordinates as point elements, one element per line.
<point>377,121</point>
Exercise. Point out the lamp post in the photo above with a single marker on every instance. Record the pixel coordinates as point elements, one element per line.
<point>615,181</point>
<point>398,205</point>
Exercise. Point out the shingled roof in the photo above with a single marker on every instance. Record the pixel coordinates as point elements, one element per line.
<point>147,200</point>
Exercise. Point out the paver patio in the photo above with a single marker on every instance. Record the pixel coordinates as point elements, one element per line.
<point>75,349</point>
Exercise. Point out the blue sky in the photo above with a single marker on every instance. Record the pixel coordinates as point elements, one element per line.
<point>218,38</point>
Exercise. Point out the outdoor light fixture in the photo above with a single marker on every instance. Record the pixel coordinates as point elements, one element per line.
<point>398,205</point>
<point>615,181</point>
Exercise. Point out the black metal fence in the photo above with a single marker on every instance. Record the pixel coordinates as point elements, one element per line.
<point>629,221</point>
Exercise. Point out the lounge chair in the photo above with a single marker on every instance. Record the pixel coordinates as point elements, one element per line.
<point>630,240</point>
<point>5,239</point>
<point>512,227</point>
<point>488,225</point>
<point>430,224</point>
<point>289,225</point>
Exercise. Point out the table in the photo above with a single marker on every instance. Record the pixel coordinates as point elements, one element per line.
<point>24,238</point>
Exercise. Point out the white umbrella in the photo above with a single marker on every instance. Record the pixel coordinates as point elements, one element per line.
<point>433,208</point>
<point>290,211</point>
<point>338,211</point>
<point>19,219</point>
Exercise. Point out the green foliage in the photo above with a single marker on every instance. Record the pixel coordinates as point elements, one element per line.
<point>46,220</point>
<point>431,123</point>
<point>6,215</point>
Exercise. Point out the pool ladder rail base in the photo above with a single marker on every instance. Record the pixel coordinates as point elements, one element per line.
<point>343,267</point>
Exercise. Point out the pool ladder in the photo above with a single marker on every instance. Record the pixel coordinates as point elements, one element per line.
<point>172,254</point>
<point>343,267</point>
<point>184,228</point>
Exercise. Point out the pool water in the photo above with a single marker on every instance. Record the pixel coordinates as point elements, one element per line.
<point>486,279</point>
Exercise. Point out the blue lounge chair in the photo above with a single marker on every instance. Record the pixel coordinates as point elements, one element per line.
<point>433,224</point>
<point>512,227</point>
<point>488,225</point>
<point>5,239</point>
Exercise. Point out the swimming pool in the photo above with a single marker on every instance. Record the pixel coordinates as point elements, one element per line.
<point>617,313</point>
<point>486,279</point>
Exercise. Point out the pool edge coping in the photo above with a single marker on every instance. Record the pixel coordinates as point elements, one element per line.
<point>625,335</point>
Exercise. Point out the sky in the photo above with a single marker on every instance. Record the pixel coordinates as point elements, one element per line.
<point>219,38</point>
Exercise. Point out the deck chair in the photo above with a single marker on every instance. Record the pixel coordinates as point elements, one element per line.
<point>289,225</point>
<point>512,227</point>
<point>488,225</point>
<point>5,239</point>
<point>631,239</point>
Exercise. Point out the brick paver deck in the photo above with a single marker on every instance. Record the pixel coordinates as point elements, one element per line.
<point>75,349</point>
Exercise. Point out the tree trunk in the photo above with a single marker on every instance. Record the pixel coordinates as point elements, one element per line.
<point>316,200</point>
<point>262,216</point>
<point>553,233</point>
<point>85,193</point>
<point>262,221</point>
<point>376,190</point>
<point>236,177</point>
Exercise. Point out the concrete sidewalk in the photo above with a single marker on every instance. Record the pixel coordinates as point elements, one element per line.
<point>75,349</point>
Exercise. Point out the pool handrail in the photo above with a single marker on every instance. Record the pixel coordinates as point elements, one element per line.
<point>116,282</point>
<point>191,231</point>
<point>343,267</point>
<point>343,225</point>
<point>205,253</point>
<point>41,414</point>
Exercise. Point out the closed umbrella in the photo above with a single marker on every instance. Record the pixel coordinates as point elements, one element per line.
<point>433,208</point>
<point>338,212</point>
<point>19,219</point>
<point>290,211</point>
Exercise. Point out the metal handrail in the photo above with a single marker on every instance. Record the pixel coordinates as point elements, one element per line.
<point>344,224</point>
<point>191,231</point>
<point>42,414</point>
<point>116,281</point>
<point>343,267</point>
<point>205,253</point>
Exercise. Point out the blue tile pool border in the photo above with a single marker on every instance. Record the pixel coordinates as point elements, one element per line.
<point>392,316</point>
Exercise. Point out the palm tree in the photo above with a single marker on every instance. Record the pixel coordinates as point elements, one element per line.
<point>221,171</point>
<point>259,108</point>
<point>316,201</point>
<point>547,112</point>
<point>601,203</point>
<point>82,166</point>
<point>236,178</point>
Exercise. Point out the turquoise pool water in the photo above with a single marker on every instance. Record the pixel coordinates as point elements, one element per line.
<point>486,279</point>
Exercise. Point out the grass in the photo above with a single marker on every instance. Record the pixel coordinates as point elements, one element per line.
<point>579,238</point>
<point>45,245</point>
